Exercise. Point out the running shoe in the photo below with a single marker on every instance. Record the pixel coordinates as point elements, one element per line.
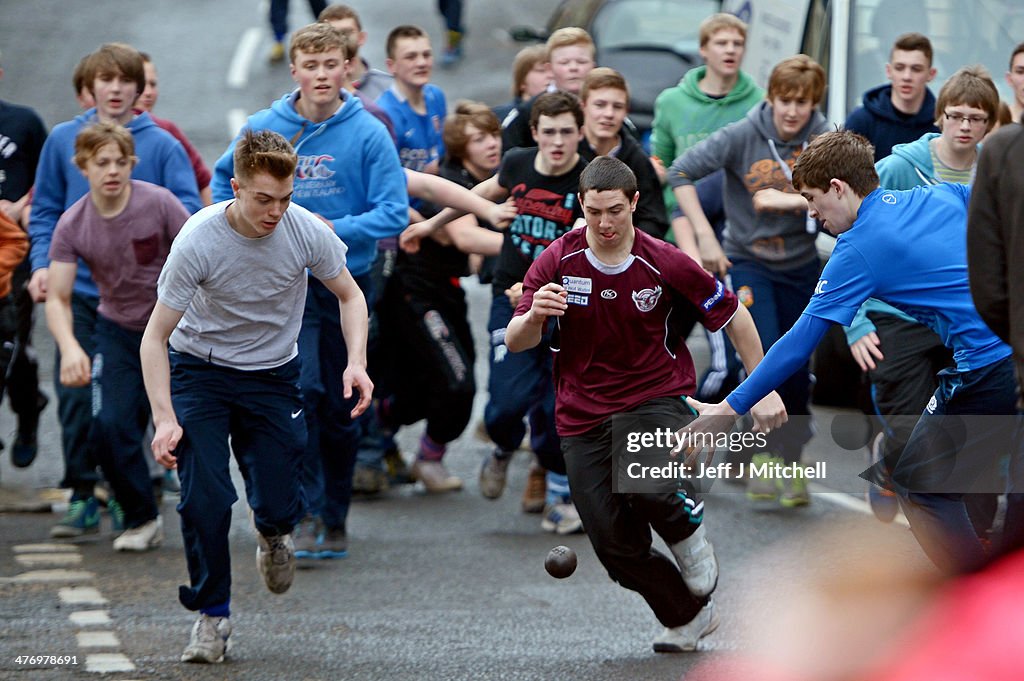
<point>142,538</point>
<point>82,517</point>
<point>561,518</point>
<point>685,638</point>
<point>209,641</point>
<point>494,472</point>
<point>275,559</point>
<point>536,490</point>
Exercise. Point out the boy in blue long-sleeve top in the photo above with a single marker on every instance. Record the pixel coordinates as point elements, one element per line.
<point>115,76</point>
<point>348,173</point>
<point>906,248</point>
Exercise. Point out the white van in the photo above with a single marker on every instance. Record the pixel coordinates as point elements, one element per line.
<point>852,38</point>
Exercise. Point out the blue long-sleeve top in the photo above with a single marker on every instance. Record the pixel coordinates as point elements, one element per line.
<point>59,182</point>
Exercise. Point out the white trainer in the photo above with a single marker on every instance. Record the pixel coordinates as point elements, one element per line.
<point>142,538</point>
<point>684,639</point>
<point>697,562</point>
<point>562,518</point>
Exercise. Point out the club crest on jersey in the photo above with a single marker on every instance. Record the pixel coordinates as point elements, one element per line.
<point>646,299</point>
<point>577,284</point>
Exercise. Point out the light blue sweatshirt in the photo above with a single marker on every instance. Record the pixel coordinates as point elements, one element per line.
<point>348,172</point>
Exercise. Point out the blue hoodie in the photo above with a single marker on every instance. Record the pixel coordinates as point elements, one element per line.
<point>348,172</point>
<point>885,126</point>
<point>59,182</point>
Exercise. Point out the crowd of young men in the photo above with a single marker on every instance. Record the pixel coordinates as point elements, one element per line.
<point>251,318</point>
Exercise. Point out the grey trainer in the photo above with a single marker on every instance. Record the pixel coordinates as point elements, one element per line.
<point>493,473</point>
<point>209,641</point>
<point>275,558</point>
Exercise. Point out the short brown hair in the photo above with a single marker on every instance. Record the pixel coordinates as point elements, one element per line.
<point>114,59</point>
<point>1005,115</point>
<point>969,86</point>
<point>399,32</point>
<point>554,104</point>
<point>913,42</point>
<point>603,77</point>
<point>797,76</point>
<point>525,60</point>
<point>92,137</point>
<point>720,22</point>
<point>570,35</point>
<point>1013,55</point>
<point>842,155</point>
<point>339,13</point>
<point>264,151</point>
<point>478,115</point>
<point>78,75</point>
<point>607,174</point>
<point>317,38</point>
<point>334,13</point>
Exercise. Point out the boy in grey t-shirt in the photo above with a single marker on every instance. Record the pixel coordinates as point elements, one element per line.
<point>230,301</point>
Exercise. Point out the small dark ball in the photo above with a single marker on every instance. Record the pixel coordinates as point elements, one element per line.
<point>561,562</point>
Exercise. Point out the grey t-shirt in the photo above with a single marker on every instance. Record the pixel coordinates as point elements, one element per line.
<point>242,297</point>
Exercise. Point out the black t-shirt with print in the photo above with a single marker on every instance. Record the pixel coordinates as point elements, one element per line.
<point>548,207</point>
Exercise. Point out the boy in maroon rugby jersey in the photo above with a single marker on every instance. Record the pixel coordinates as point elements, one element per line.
<point>615,357</point>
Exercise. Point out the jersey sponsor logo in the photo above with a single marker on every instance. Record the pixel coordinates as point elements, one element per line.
<point>609,294</point>
<point>577,299</point>
<point>932,405</point>
<point>819,288</point>
<point>719,292</point>
<point>577,284</point>
<point>646,299</point>
<point>889,198</point>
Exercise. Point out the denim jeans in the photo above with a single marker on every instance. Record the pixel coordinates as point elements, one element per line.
<point>260,411</point>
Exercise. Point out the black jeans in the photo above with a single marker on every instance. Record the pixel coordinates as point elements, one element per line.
<point>619,525</point>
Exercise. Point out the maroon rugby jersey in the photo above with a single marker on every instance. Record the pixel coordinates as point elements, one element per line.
<point>614,347</point>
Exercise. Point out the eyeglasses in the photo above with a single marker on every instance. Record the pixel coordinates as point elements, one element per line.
<point>959,118</point>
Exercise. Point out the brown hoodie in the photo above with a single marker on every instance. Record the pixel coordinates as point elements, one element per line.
<point>13,247</point>
<point>995,238</point>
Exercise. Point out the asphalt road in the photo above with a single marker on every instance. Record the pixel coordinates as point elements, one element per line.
<point>448,587</point>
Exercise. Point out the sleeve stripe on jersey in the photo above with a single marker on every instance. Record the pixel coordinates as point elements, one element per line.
<point>569,255</point>
<point>655,269</point>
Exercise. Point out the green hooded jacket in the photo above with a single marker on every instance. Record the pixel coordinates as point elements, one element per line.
<point>683,116</point>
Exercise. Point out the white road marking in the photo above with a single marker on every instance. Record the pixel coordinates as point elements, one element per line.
<point>45,548</point>
<point>82,595</point>
<point>849,502</point>
<point>241,62</point>
<point>97,639</point>
<point>40,576</point>
<point>37,559</point>
<point>89,618</point>
<point>236,121</point>
<point>104,663</point>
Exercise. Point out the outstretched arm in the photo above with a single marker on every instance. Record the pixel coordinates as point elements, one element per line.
<point>354,328</point>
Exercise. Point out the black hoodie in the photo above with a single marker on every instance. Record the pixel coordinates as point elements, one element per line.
<point>885,126</point>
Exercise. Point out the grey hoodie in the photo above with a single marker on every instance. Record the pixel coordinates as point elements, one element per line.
<point>780,240</point>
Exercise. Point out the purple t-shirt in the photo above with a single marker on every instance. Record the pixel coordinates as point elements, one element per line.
<point>125,252</point>
<point>616,349</point>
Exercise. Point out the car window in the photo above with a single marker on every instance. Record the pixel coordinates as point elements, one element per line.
<point>673,24</point>
<point>572,13</point>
